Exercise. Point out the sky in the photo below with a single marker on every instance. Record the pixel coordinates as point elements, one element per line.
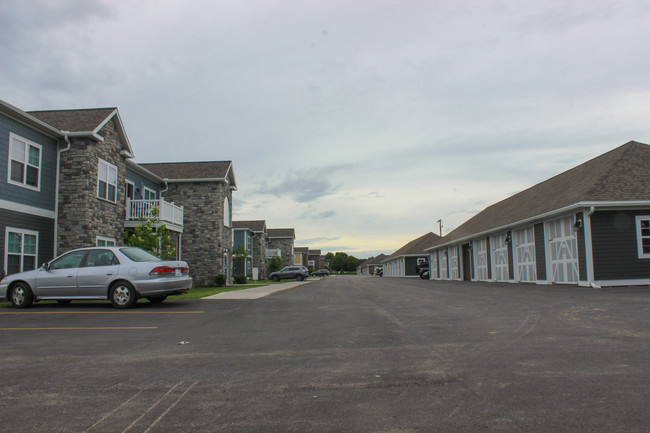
<point>358,123</point>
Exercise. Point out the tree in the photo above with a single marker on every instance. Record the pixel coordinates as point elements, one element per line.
<point>342,262</point>
<point>151,237</point>
<point>240,253</point>
<point>275,264</point>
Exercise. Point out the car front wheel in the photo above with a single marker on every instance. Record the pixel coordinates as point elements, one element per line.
<point>275,278</point>
<point>21,296</point>
<point>123,295</point>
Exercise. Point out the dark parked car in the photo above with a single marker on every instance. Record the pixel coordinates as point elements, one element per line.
<point>320,273</point>
<point>423,270</point>
<point>121,274</point>
<point>290,272</point>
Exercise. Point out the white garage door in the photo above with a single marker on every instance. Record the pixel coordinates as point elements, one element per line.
<point>524,249</point>
<point>563,251</point>
<point>480,259</point>
<point>499,252</point>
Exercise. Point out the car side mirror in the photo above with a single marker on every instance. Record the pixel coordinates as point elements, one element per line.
<point>46,266</point>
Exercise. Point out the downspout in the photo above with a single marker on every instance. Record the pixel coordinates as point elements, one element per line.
<point>592,283</point>
<point>56,195</point>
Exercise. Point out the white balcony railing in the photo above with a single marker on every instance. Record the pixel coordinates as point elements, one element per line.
<point>168,213</point>
<point>270,253</point>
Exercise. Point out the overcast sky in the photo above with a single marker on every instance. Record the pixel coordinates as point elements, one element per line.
<point>359,123</point>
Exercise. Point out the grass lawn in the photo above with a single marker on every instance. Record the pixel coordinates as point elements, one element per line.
<point>196,293</point>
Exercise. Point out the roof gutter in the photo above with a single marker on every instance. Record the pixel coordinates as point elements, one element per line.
<point>580,205</point>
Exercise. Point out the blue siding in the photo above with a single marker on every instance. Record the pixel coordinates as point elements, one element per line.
<point>44,227</point>
<point>140,182</point>
<point>45,198</point>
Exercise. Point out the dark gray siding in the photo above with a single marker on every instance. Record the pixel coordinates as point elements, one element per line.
<point>140,182</point>
<point>540,252</point>
<point>614,243</point>
<point>45,198</point>
<point>582,248</point>
<point>44,227</point>
<point>511,260</point>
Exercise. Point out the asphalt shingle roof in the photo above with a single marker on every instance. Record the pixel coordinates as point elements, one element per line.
<point>190,170</point>
<point>282,233</point>
<point>82,120</point>
<point>622,174</point>
<point>375,260</point>
<point>416,246</point>
<point>256,226</point>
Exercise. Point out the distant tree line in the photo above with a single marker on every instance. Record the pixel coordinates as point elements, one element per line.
<point>342,262</point>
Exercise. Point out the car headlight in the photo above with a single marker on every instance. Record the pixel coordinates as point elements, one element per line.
<point>3,281</point>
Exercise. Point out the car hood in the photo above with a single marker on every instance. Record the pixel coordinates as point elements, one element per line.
<point>27,275</point>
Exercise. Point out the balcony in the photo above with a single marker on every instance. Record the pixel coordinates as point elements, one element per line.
<point>168,213</point>
<point>270,253</point>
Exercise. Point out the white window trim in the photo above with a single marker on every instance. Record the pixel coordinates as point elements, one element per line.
<point>151,191</point>
<point>126,189</point>
<point>23,232</point>
<point>13,136</point>
<point>109,165</point>
<point>106,240</point>
<point>640,237</point>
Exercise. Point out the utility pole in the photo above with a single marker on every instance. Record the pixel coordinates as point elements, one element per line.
<point>440,226</point>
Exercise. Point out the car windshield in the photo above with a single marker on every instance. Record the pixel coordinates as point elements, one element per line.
<point>139,255</point>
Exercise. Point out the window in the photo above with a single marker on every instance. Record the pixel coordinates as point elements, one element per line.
<point>105,242</point>
<point>643,236</point>
<point>24,162</point>
<point>226,213</point>
<point>107,181</point>
<point>70,260</point>
<point>101,258</point>
<point>149,194</point>
<point>21,250</point>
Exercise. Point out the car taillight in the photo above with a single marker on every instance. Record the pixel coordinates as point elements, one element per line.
<point>162,270</point>
<point>185,270</point>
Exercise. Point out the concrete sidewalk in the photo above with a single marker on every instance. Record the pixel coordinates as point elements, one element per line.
<point>257,292</point>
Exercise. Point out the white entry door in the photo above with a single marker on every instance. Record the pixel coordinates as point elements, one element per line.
<point>563,251</point>
<point>499,253</point>
<point>524,249</point>
<point>443,265</point>
<point>480,259</point>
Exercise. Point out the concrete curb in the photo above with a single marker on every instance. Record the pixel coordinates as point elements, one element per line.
<point>257,292</point>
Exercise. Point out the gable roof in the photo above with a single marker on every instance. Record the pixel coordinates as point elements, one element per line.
<point>620,175</point>
<point>254,226</point>
<point>84,122</point>
<point>29,120</point>
<point>201,171</point>
<point>302,250</point>
<point>282,233</point>
<point>415,247</point>
<point>374,261</point>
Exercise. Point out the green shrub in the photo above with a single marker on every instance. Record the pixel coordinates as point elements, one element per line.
<point>239,279</point>
<point>220,280</point>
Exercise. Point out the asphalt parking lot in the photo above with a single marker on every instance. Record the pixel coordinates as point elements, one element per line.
<point>342,354</point>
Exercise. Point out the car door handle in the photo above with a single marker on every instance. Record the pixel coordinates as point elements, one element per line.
<point>109,274</point>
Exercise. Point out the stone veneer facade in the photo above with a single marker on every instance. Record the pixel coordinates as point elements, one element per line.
<point>82,214</point>
<point>286,246</point>
<point>260,244</point>
<point>206,243</point>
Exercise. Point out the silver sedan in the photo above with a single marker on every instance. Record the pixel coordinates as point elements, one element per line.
<point>121,274</point>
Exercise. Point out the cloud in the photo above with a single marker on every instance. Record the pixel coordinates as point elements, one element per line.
<point>306,185</point>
